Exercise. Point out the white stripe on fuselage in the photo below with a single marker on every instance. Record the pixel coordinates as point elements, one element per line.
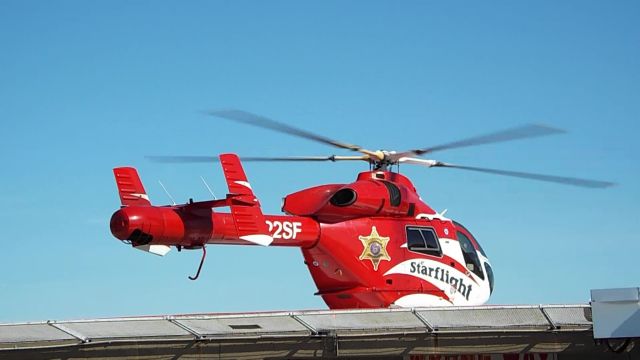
<point>461,289</point>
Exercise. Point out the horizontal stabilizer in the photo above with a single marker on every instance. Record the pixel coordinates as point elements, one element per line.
<point>259,239</point>
<point>160,250</point>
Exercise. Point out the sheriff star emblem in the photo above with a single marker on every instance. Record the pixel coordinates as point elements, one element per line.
<point>375,248</point>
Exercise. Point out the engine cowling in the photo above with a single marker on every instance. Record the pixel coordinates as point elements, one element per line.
<point>375,193</point>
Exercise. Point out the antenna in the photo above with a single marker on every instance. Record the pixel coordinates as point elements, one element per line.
<point>208,188</point>
<point>166,192</point>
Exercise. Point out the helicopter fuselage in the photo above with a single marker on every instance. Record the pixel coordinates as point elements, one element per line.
<point>380,245</point>
<point>368,244</point>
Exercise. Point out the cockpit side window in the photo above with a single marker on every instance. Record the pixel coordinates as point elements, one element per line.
<point>470,256</point>
<point>423,240</point>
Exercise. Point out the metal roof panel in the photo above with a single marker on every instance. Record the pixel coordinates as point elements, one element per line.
<point>489,318</point>
<point>563,316</point>
<point>229,326</point>
<point>32,332</point>
<point>378,321</point>
<point>135,328</point>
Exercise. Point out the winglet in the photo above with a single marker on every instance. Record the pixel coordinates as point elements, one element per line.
<point>245,209</point>
<point>130,187</point>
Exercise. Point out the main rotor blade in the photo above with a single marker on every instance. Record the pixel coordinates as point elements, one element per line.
<point>540,177</point>
<point>263,122</point>
<point>213,159</point>
<point>521,132</point>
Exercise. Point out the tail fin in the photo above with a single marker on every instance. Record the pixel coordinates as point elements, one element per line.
<point>130,187</point>
<point>245,208</point>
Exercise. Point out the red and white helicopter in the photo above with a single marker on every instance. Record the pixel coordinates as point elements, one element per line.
<point>371,243</point>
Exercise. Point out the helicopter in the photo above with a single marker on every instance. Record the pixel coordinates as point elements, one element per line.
<point>371,243</point>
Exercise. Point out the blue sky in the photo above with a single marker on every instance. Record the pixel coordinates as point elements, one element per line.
<point>87,86</point>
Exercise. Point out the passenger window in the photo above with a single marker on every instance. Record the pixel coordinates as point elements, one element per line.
<point>470,256</point>
<point>423,240</point>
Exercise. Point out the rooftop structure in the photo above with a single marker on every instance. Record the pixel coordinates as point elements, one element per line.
<point>563,330</point>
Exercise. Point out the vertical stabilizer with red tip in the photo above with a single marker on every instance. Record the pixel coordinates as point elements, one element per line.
<point>245,208</point>
<point>130,187</point>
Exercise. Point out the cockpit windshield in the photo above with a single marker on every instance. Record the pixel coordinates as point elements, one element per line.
<point>470,255</point>
<point>458,225</point>
<point>490,276</point>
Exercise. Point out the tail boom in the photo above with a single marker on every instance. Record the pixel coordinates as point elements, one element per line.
<point>175,226</point>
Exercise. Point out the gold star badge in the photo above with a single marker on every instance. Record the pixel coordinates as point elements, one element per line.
<point>375,248</point>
